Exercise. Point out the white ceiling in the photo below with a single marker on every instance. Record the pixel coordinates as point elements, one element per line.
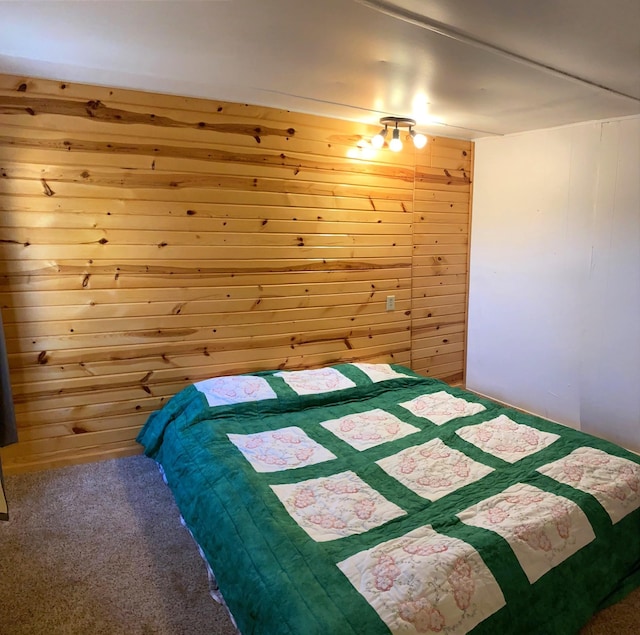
<point>462,68</point>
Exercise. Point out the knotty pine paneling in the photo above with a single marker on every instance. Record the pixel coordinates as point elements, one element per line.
<point>441,228</point>
<point>149,241</point>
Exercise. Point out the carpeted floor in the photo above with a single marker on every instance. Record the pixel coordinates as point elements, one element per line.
<point>3,498</point>
<point>99,549</point>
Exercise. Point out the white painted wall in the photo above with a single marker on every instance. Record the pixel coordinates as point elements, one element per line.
<point>554,297</point>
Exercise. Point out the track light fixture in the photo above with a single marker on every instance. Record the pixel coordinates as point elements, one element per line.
<point>419,140</point>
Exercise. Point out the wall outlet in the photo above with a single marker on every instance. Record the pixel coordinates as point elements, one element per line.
<point>391,303</point>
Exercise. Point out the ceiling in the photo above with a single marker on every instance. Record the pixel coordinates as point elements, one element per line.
<point>461,68</point>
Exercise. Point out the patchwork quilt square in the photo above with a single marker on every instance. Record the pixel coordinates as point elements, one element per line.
<point>433,470</point>
<point>612,480</point>
<point>506,439</point>
<point>364,430</point>
<point>440,407</point>
<point>425,582</point>
<point>283,449</point>
<point>379,372</point>
<point>315,381</point>
<point>335,506</point>
<point>221,391</point>
<point>542,529</point>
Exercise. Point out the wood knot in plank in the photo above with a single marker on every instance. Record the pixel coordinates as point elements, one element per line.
<point>144,380</point>
<point>47,190</point>
<point>92,106</point>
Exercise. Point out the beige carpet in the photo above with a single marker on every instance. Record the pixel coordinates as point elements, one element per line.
<point>99,549</point>
<point>3,500</point>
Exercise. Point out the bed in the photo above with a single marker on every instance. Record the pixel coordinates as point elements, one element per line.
<point>367,499</point>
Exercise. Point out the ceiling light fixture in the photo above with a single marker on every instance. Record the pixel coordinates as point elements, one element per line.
<point>419,140</point>
<point>395,145</point>
<point>378,141</point>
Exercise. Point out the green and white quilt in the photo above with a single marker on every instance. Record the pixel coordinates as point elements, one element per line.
<point>366,499</point>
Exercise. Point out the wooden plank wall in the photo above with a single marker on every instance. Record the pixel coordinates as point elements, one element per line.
<point>149,241</point>
<point>442,213</point>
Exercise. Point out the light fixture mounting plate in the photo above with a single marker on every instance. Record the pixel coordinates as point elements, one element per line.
<point>398,122</point>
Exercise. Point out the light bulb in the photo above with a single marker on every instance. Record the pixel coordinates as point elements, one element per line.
<point>395,144</point>
<point>378,141</point>
<point>419,140</point>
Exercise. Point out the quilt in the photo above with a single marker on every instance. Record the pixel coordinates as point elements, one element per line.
<point>367,499</point>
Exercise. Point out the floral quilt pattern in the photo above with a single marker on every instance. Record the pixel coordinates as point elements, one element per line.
<point>221,391</point>
<point>612,480</point>
<point>433,470</point>
<point>506,439</point>
<point>336,506</point>
<point>367,429</point>
<point>283,449</point>
<point>378,372</point>
<point>315,381</point>
<point>425,582</point>
<point>440,407</point>
<point>543,529</point>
